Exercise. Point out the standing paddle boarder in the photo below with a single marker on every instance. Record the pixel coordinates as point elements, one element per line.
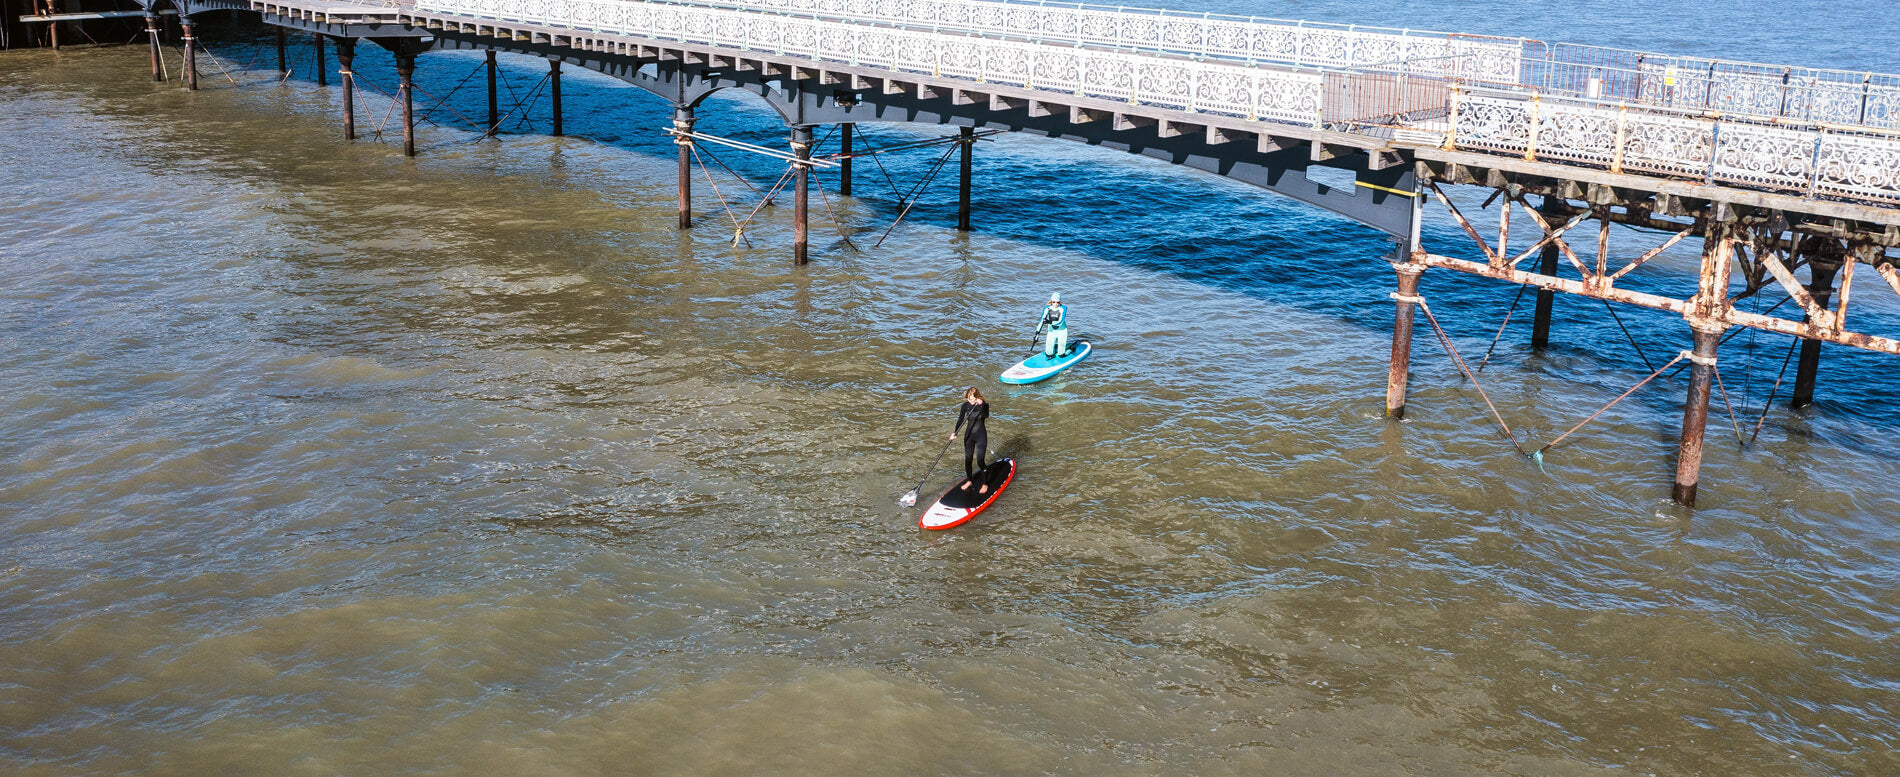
<point>1055,316</point>
<point>976,440</point>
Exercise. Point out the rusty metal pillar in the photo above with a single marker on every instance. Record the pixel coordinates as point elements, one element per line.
<point>346,54</point>
<point>283,62</point>
<point>801,232</point>
<point>1707,315</point>
<point>191,53</point>
<point>1407,297</point>
<point>554,89</point>
<point>323,76</point>
<point>1695,413</point>
<point>683,128</point>
<point>405,89</point>
<point>494,108</point>
<point>968,141</point>
<point>1822,265</point>
<point>1546,265</point>
<point>844,159</point>
<point>52,28</point>
<point>151,34</point>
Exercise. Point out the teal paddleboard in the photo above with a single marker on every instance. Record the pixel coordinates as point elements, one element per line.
<point>1041,367</point>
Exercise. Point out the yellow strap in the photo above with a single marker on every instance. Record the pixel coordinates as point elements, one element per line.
<point>1387,189</point>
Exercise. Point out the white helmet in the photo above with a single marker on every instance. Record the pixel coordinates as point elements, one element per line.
<point>1055,296</point>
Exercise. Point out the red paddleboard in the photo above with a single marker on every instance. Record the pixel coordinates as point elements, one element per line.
<point>959,504</point>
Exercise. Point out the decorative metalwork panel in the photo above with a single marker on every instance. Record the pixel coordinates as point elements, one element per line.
<point>1667,144</point>
<point>1492,124</point>
<point>1858,166</point>
<point>1764,156</point>
<point>1577,133</point>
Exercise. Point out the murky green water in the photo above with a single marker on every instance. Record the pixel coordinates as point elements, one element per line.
<point>319,460</point>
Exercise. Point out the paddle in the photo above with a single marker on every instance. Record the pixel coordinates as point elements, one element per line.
<point>910,497</point>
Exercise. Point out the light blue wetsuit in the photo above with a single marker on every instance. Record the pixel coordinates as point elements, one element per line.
<point>1056,316</point>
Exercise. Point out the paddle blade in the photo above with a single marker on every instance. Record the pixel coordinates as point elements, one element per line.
<point>908,499</point>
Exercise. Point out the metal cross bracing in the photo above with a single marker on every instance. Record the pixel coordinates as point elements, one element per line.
<point>1775,171</point>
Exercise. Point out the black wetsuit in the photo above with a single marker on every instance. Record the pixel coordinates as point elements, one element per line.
<point>976,439</point>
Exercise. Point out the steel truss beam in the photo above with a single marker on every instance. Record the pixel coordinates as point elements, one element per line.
<point>1751,236</point>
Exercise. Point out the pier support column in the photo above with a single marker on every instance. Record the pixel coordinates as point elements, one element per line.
<point>191,53</point>
<point>683,123</point>
<point>1546,265</point>
<point>405,89</point>
<point>1407,298</point>
<point>1821,270</point>
<point>968,141</point>
<point>323,76</point>
<point>801,233</point>
<point>494,108</point>
<point>1695,413</point>
<point>283,61</point>
<point>554,90</point>
<point>151,34</point>
<point>844,158</point>
<point>346,54</point>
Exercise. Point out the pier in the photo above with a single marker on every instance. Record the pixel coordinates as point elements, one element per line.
<point>1787,178</point>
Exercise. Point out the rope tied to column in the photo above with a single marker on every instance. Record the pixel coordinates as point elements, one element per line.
<point>738,229</point>
<point>1538,456</point>
<point>1501,327</point>
<point>1459,361</point>
<point>909,200</point>
<point>1740,442</point>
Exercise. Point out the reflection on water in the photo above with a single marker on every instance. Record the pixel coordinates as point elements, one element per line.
<point>321,460</point>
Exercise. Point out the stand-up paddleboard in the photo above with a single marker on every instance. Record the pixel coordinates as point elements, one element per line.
<point>961,504</point>
<point>1041,367</point>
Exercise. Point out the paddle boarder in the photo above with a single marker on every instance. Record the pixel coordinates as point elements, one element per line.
<point>1055,316</point>
<point>976,440</point>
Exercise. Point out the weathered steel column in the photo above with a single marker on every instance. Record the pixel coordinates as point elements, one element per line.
<point>151,33</point>
<point>323,76</point>
<point>1695,413</point>
<point>346,54</point>
<point>968,141</point>
<point>844,159</point>
<point>683,127</point>
<point>283,63</point>
<point>406,68</point>
<point>554,89</point>
<point>1707,316</point>
<point>191,53</point>
<point>494,115</point>
<point>1822,265</point>
<point>801,233</point>
<point>1546,265</point>
<point>52,28</point>
<point>1407,297</point>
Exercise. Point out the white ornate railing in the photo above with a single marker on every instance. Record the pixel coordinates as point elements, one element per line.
<point>1629,139</point>
<point>1209,36</point>
<point>1209,87</point>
